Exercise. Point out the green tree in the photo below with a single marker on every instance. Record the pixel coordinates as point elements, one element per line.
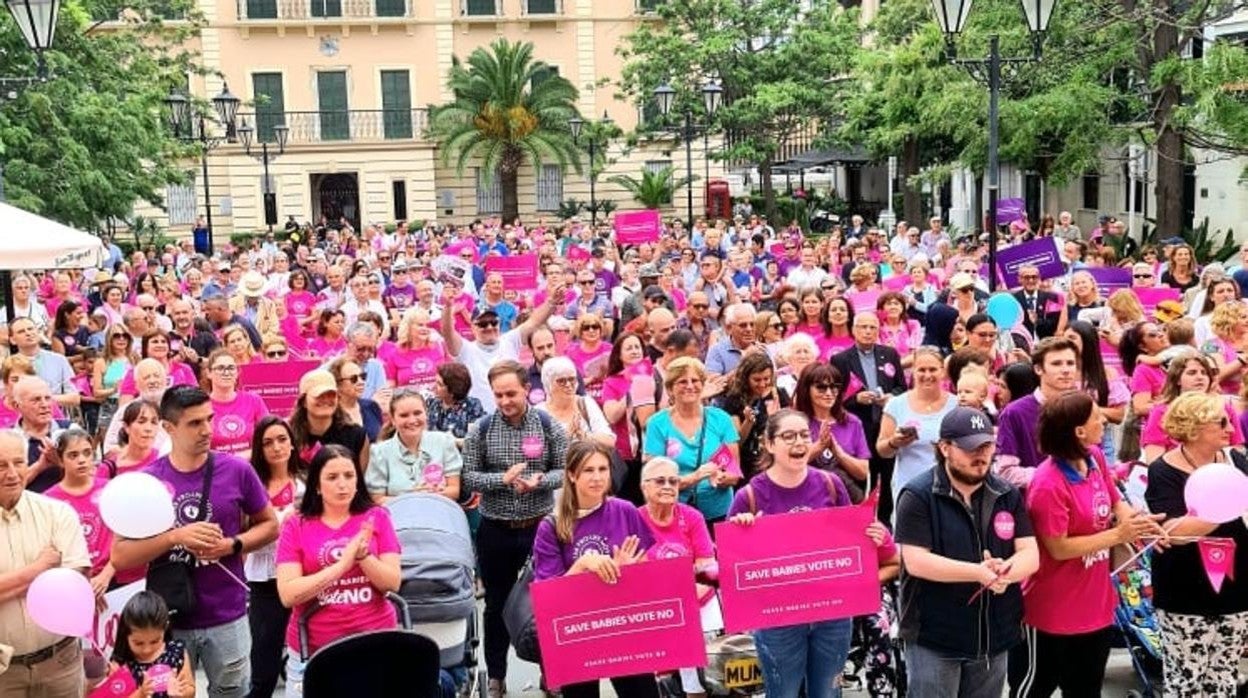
<point>780,66</point>
<point>655,188</point>
<point>504,118</point>
<point>90,141</point>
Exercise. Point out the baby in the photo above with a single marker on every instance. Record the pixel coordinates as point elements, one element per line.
<point>973,389</point>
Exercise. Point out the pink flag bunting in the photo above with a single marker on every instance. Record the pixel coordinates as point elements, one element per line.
<point>1218,556</point>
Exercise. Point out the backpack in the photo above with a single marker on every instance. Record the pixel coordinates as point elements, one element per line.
<point>827,480</point>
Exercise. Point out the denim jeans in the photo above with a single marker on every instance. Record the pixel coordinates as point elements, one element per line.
<point>813,653</point>
<point>224,653</point>
<point>932,674</point>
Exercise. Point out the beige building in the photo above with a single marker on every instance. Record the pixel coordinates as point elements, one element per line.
<point>353,79</point>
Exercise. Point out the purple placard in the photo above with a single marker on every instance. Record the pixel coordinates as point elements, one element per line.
<point>1041,253</point>
<point>1010,210</point>
<point>276,383</point>
<point>637,227</point>
<point>1110,279</point>
<point>519,271</point>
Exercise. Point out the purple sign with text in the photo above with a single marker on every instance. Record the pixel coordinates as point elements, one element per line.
<point>519,271</point>
<point>1040,253</point>
<point>1010,210</point>
<point>636,227</point>
<point>1110,279</point>
<point>276,383</point>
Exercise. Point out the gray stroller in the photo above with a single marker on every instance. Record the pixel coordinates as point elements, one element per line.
<point>439,585</point>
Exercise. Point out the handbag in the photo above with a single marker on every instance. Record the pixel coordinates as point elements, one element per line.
<point>172,574</point>
<point>518,613</point>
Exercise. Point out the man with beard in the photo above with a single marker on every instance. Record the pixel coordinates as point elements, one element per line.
<point>966,544</point>
<point>1056,362</point>
<point>542,345</point>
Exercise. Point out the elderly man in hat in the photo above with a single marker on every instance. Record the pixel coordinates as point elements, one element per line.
<point>250,303</point>
<point>634,305</point>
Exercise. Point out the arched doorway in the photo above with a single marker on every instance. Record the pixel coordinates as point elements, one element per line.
<point>336,195</point>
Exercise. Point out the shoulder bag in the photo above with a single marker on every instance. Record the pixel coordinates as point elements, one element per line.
<point>172,574</point>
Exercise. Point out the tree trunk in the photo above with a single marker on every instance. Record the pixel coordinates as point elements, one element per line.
<point>509,176</point>
<point>769,191</point>
<point>911,203</point>
<point>1170,155</point>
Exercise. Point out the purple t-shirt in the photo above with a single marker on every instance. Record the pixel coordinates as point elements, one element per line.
<point>600,532</point>
<point>1016,437</point>
<point>236,491</point>
<point>848,433</point>
<point>399,297</point>
<point>770,498</point>
<point>604,281</point>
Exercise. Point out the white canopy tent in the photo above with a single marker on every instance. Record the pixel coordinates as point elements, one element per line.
<point>30,241</point>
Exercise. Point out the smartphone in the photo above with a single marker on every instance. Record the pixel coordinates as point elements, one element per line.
<point>909,431</point>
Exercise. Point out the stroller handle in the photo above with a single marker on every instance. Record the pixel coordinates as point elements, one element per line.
<point>400,605</point>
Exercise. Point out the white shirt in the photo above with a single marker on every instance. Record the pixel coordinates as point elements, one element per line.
<point>807,278</point>
<point>479,360</point>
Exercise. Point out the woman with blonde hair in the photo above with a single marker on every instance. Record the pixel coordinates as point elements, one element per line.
<point>416,356</point>
<point>1125,311</point>
<point>115,362</point>
<point>589,351</point>
<point>236,341</point>
<point>1188,372</point>
<point>1182,272</point>
<point>1229,324</point>
<point>11,371</point>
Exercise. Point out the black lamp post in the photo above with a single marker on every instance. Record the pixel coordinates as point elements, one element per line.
<point>281,133</point>
<point>712,95</point>
<point>190,126</point>
<point>952,15</point>
<point>598,136</point>
<point>36,19</point>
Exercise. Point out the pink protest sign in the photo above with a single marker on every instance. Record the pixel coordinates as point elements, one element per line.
<point>276,383</point>
<point>519,271</point>
<point>797,568</point>
<point>863,301</point>
<point>119,684</point>
<point>576,253</point>
<point>726,461</point>
<point>646,622</point>
<point>636,227</point>
<point>1150,297</point>
<point>896,282</point>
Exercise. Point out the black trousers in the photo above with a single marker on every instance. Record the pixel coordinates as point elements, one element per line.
<point>502,552</point>
<point>268,618</point>
<point>635,686</point>
<point>881,470</point>
<point>1043,663</point>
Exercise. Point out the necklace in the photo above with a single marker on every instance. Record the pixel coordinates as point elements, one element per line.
<point>1191,463</point>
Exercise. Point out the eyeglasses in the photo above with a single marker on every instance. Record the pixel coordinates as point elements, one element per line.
<point>383,259</point>
<point>586,282</point>
<point>669,481</point>
<point>353,378</point>
<point>828,288</point>
<point>823,387</point>
<point>148,308</point>
<point>1141,276</point>
<point>775,325</point>
<point>487,323</point>
<point>374,282</point>
<point>1029,277</point>
<point>565,380</point>
<point>226,370</point>
<point>276,353</point>
<point>792,437</point>
<point>591,327</point>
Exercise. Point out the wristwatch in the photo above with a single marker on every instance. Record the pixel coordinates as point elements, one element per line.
<point>237,547</point>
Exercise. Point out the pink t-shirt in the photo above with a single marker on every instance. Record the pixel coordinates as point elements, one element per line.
<point>234,422</point>
<point>300,304</point>
<point>415,367</point>
<point>1154,435</point>
<point>322,348</point>
<point>832,345</point>
<point>8,416</point>
<point>686,535</point>
<point>1149,379</point>
<point>179,374</point>
<point>591,367</point>
<point>351,604</point>
<point>87,507</point>
<point>1060,507</point>
<point>617,387</point>
<point>106,472</point>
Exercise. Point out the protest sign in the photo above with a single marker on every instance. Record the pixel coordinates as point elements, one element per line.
<point>276,383</point>
<point>1041,253</point>
<point>1150,297</point>
<point>637,227</point>
<point>519,271</point>
<point>448,268</point>
<point>797,568</point>
<point>646,622</point>
<point>1010,210</point>
<point>104,632</point>
<point>1110,279</point>
<point>576,253</point>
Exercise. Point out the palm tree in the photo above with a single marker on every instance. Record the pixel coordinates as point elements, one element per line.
<point>508,110</point>
<point>655,188</point>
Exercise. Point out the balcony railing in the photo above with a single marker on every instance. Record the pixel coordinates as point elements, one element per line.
<point>334,126</point>
<point>329,10</point>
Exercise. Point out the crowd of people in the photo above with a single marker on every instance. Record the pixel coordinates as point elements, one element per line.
<point>586,424</point>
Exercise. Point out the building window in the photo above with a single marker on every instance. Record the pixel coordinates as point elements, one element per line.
<point>331,89</point>
<point>398,191</point>
<point>489,193</point>
<point>261,9</point>
<point>549,187</point>
<point>396,104</point>
<point>481,8</point>
<point>658,166</point>
<point>649,115</point>
<point>541,7</point>
<point>1128,184</point>
<point>391,8</point>
<point>1091,191</point>
<point>648,5</point>
<point>180,203</point>
<point>270,100</point>
<point>326,8</point>
<point>542,75</point>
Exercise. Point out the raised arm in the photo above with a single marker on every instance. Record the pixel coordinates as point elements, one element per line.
<point>447,325</point>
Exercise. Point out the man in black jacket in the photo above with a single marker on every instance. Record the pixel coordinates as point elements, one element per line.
<point>871,375</point>
<point>1041,309</point>
<point>966,543</point>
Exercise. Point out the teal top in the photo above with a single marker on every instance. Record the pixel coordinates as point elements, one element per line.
<point>395,470</point>
<point>664,439</point>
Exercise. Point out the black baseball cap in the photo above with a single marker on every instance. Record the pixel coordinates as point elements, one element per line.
<point>967,428</point>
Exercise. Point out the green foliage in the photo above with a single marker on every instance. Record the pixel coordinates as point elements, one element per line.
<point>91,141</point>
<point>570,208</point>
<point>655,188</point>
<point>504,119</point>
<point>1208,246</point>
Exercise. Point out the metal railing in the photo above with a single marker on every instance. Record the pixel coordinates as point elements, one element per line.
<point>341,126</point>
<point>315,10</point>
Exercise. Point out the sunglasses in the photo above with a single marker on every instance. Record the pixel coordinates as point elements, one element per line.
<point>669,481</point>
<point>591,327</point>
<point>590,282</point>
<point>823,387</point>
<point>276,353</point>
<point>353,378</point>
<point>775,325</point>
<point>1141,276</point>
<point>487,323</point>
<point>565,380</point>
<point>699,306</point>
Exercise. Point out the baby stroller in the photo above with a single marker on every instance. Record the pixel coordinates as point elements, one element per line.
<point>438,581</point>
<point>1134,615</point>
<point>732,667</point>
<point>366,664</point>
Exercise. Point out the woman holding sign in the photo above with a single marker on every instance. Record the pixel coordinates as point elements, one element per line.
<point>809,653</point>
<point>693,436</point>
<point>593,532</point>
<point>1203,605</point>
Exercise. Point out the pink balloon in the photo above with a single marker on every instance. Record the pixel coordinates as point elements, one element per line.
<point>1216,493</point>
<point>61,602</point>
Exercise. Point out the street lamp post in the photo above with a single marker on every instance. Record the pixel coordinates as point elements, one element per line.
<point>191,126</point>
<point>888,217</point>
<point>712,95</point>
<point>598,136</point>
<point>36,20</point>
<point>281,133</point>
<point>952,15</point>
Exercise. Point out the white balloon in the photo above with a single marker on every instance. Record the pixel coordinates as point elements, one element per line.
<point>137,505</point>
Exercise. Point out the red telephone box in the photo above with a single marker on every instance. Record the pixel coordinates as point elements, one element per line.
<point>718,200</point>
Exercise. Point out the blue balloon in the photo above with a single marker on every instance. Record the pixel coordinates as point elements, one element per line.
<point>1004,310</point>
